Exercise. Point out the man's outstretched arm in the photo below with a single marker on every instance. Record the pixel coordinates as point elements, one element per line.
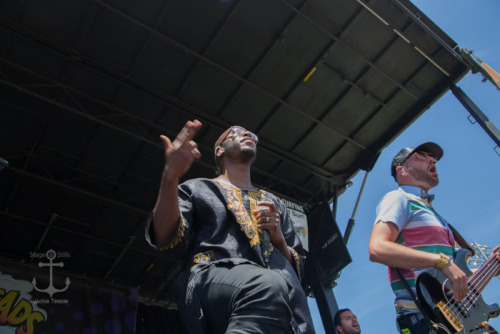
<point>179,155</point>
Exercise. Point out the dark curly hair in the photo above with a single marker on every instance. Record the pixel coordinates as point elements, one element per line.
<point>336,318</point>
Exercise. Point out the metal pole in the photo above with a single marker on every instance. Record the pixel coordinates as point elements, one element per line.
<point>478,115</point>
<point>325,299</point>
<point>350,224</point>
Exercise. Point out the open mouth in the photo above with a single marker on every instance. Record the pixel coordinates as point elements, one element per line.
<point>433,169</point>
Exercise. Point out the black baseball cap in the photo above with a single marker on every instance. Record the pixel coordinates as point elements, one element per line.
<point>432,148</point>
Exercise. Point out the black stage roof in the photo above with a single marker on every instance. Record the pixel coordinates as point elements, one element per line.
<point>88,86</point>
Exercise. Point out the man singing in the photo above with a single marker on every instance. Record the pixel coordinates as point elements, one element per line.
<point>410,234</point>
<point>217,227</point>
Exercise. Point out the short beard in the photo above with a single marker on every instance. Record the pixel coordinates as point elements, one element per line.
<point>243,155</point>
<point>423,176</point>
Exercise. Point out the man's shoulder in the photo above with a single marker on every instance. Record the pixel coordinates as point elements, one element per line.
<point>198,180</point>
<point>394,195</point>
<point>271,196</point>
<point>197,183</point>
<point>278,201</point>
<point>393,199</point>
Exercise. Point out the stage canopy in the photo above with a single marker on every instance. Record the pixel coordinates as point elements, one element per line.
<point>87,87</point>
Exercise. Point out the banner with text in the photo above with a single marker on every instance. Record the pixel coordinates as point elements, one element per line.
<point>299,219</point>
<point>35,298</point>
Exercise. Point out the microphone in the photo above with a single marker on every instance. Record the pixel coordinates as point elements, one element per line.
<point>266,242</point>
<point>267,247</point>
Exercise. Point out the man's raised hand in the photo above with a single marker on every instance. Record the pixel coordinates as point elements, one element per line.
<point>180,154</point>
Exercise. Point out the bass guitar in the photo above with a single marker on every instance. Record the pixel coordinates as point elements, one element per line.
<point>467,316</point>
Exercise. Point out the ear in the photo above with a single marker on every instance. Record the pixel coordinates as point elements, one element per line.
<point>219,151</point>
<point>400,170</point>
<point>339,329</point>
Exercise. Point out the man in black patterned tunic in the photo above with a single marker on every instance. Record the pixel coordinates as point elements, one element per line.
<point>215,226</point>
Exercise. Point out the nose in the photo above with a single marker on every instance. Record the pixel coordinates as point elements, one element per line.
<point>247,134</point>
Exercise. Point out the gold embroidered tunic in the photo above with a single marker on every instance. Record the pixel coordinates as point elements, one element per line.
<point>217,226</point>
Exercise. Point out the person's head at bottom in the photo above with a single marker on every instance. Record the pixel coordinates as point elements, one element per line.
<point>346,322</point>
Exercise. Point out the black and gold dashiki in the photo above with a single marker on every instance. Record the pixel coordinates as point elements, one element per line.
<point>217,226</point>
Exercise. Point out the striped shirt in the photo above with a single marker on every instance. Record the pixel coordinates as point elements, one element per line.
<point>420,227</point>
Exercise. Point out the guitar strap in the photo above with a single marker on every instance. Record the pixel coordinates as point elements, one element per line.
<point>462,243</point>
<point>416,301</point>
<point>460,240</point>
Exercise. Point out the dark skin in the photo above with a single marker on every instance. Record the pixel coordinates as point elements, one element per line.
<point>235,168</point>
<point>235,171</point>
<point>273,226</point>
<point>179,156</point>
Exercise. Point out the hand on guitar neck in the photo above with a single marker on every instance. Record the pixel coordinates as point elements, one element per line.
<point>468,315</point>
<point>458,279</point>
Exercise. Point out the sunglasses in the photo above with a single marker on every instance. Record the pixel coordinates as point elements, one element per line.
<point>422,156</point>
<point>240,132</point>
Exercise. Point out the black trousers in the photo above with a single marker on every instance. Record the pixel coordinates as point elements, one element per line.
<point>414,323</point>
<point>243,299</point>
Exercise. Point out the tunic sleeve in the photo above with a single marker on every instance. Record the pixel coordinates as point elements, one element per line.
<point>181,239</point>
<point>292,241</point>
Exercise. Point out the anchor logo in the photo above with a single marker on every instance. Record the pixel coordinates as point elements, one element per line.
<point>51,255</point>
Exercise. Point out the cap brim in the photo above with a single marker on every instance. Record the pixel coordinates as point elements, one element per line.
<point>432,148</point>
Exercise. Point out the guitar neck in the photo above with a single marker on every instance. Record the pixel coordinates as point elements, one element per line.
<point>480,279</point>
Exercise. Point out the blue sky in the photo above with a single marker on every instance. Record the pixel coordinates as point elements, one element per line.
<point>468,193</point>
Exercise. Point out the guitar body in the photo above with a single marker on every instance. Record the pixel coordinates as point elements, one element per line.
<point>435,295</point>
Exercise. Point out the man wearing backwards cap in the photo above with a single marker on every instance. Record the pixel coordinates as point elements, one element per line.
<point>408,233</point>
<point>215,227</point>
